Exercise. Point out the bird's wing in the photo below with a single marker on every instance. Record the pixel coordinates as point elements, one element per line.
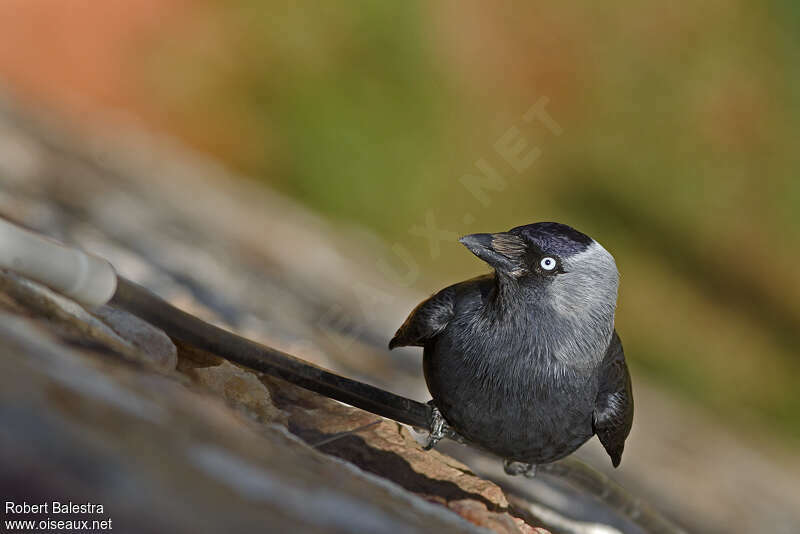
<point>426,320</point>
<point>613,411</point>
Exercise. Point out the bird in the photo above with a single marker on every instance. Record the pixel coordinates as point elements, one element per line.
<point>525,362</point>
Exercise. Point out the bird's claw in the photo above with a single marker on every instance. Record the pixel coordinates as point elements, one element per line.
<point>519,468</point>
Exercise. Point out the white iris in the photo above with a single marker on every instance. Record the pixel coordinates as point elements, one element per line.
<point>548,264</point>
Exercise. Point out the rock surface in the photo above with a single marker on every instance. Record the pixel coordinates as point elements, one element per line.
<point>80,426</point>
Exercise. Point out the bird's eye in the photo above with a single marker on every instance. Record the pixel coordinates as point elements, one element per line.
<point>548,264</point>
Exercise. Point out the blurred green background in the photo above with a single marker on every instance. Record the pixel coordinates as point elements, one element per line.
<point>678,150</point>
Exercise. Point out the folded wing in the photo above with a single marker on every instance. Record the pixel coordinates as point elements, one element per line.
<point>613,413</point>
<point>426,320</point>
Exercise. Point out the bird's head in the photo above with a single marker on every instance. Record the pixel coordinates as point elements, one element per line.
<point>575,269</point>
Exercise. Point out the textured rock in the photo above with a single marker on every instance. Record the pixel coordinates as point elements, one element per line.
<point>116,330</point>
<point>162,458</point>
<point>149,340</point>
<point>558,521</point>
<point>476,512</point>
<point>238,386</point>
<point>386,448</point>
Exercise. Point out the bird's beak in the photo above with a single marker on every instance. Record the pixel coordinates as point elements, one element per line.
<point>503,251</point>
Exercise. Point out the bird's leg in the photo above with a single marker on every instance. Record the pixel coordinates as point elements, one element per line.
<point>439,428</point>
<point>519,468</point>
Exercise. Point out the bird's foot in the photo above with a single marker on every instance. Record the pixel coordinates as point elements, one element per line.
<point>519,468</point>
<point>440,429</point>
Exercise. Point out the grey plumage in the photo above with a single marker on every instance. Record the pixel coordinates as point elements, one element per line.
<point>525,362</point>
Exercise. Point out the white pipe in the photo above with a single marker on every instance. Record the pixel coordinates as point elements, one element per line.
<point>84,277</point>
